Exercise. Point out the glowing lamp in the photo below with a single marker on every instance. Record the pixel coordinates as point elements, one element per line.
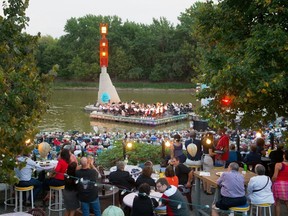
<point>103,29</point>
<point>258,135</point>
<point>226,101</point>
<point>208,141</point>
<point>167,144</point>
<point>129,145</point>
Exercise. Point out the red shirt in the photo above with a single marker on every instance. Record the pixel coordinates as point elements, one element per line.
<point>223,145</point>
<point>283,173</point>
<point>173,180</point>
<point>60,169</point>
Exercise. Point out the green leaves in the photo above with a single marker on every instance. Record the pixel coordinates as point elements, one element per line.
<point>241,52</point>
<point>23,91</point>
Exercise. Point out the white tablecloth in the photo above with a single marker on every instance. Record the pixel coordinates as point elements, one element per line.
<point>47,165</point>
<point>133,170</point>
<point>16,214</point>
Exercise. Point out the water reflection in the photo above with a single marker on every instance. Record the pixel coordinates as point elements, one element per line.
<point>66,110</point>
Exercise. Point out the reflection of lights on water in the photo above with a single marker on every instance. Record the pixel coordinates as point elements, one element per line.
<point>208,141</point>
<point>258,135</point>
<point>167,144</point>
<point>129,145</point>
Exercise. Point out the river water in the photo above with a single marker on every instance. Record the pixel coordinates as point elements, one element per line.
<point>66,110</point>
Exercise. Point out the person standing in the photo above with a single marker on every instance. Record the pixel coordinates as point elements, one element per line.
<point>232,189</point>
<point>280,184</point>
<point>223,146</point>
<point>87,189</point>
<point>71,202</point>
<point>177,149</point>
<point>172,198</point>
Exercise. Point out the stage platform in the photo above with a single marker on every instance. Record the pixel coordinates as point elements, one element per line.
<point>139,120</point>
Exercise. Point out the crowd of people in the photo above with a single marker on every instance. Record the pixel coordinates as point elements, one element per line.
<point>210,149</point>
<point>144,110</point>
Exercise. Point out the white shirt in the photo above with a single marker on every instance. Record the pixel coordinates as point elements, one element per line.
<point>263,196</point>
<point>26,172</point>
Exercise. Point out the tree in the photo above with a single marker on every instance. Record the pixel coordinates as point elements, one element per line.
<point>243,54</point>
<point>23,90</point>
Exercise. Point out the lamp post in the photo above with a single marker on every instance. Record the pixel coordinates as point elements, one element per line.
<point>164,144</point>
<point>126,145</point>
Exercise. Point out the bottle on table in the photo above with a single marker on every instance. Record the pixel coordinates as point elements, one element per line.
<point>103,190</point>
<point>245,167</point>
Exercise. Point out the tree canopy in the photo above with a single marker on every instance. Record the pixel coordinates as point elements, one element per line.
<point>242,47</point>
<point>23,90</point>
<point>152,52</point>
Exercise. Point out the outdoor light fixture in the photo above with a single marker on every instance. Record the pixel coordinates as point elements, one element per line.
<point>258,135</point>
<point>103,28</point>
<point>126,145</point>
<point>27,142</point>
<point>208,141</point>
<point>129,145</point>
<point>167,144</point>
<point>164,146</point>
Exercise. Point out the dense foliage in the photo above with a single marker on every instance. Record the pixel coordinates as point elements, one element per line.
<point>156,52</point>
<point>243,53</point>
<point>23,91</point>
<point>139,153</point>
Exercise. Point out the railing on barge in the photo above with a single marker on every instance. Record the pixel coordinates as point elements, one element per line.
<point>151,121</point>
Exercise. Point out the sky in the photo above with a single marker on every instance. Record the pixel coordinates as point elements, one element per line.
<point>50,16</point>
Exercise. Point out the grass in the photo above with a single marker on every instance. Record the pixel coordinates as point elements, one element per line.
<point>134,85</point>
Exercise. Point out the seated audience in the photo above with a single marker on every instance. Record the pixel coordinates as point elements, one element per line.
<point>145,177</point>
<point>171,198</point>
<point>171,176</point>
<point>232,189</point>
<point>143,204</point>
<point>252,157</point>
<point>57,178</point>
<point>122,178</point>
<point>234,156</point>
<point>25,176</point>
<point>259,187</point>
<point>260,143</point>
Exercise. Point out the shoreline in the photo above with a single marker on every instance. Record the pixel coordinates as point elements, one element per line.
<point>126,89</point>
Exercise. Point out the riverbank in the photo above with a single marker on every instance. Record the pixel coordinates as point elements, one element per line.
<point>133,86</point>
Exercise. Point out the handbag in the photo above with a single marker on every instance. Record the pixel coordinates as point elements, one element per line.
<point>262,187</point>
